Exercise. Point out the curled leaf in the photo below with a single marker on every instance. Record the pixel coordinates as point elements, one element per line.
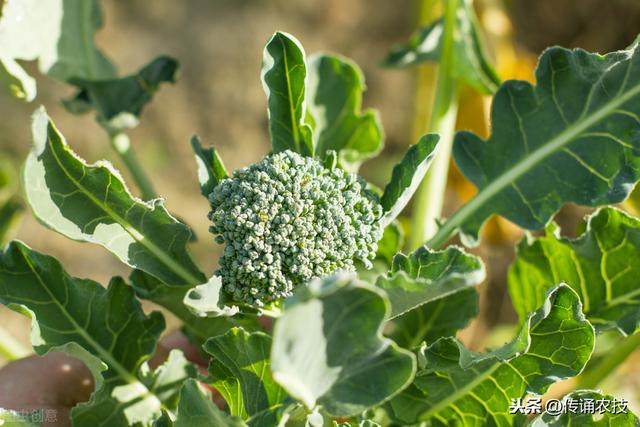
<point>407,176</point>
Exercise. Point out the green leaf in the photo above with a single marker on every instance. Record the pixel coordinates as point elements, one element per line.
<point>423,46</point>
<point>455,386</point>
<point>334,98</point>
<point>391,242</point>
<point>575,137</point>
<point>284,74</point>
<point>470,63</point>
<point>425,276</point>
<point>59,34</point>
<point>433,320</point>
<point>171,297</point>
<point>73,55</point>
<point>584,419</point>
<point>118,102</point>
<point>406,176</point>
<point>328,349</point>
<point>241,372</point>
<point>196,409</point>
<point>211,170</point>
<point>601,265</point>
<point>105,328</point>
<point>91,203</point>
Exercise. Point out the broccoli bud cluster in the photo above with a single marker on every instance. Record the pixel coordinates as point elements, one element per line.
<point>288,219</point>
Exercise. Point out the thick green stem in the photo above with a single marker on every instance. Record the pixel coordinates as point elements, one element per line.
<point>121,144</point>
<point>592,377</point>
<point>10,348</point>
<point>430,197</point>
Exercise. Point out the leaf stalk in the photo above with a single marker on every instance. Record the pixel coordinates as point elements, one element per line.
<point>122,145</point>
<point>430,194</point>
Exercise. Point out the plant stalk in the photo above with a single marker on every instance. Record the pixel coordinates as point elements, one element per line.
<point>122,145</point>
<point>430,194</point>
<point>591,378</point>
<point>10,348</point>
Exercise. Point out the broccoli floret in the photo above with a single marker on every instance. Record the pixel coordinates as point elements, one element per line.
<point>288,219</point>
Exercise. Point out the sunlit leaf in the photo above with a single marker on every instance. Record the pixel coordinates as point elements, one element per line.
<point>601,265</point>
<point>455,386</point>
<point>575,137</point>
<point>284,76</point>
<point>91,203</point>
<point>334,96</point>
<point>328,350</point>
<point>105,328</point>
<point>406,177</point>
<point>425,276</point>
<point>57,33</point>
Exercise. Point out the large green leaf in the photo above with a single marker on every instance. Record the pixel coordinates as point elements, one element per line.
<point>587,408</point>
<point>284,75</point>
<point>455,386</point>
<point>105,328</point>
<point>91,203</point>
<point>407,176</point>
<point>211,170</point>
<point>118,102</point>
<point>425,276</point>
<point>328,350</point>
<point>241,372</point>
<point>574,137</point>
<point>197,410</point>
<point>334,98</point>
<point>469,62</point>
<point>58,33</point>
<point>601,266</point>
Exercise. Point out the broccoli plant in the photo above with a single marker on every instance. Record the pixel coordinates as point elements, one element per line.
<point>363,334</point>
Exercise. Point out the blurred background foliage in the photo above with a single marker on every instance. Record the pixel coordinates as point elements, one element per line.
<point>219,97</point>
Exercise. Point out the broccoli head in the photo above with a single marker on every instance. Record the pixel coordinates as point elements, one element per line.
<point>288,219</point>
